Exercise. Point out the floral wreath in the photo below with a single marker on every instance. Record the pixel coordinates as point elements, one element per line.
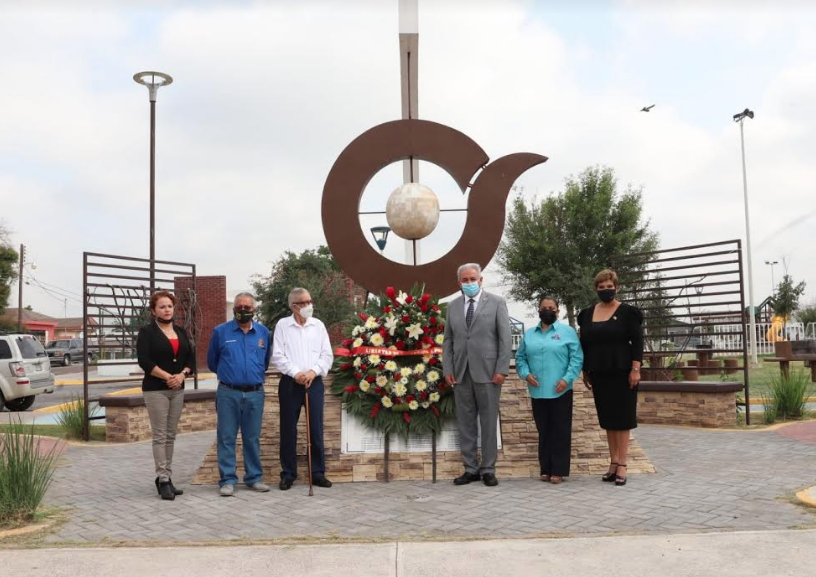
<point>389,370</point>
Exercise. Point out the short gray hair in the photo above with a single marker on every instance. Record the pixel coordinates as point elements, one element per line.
<point>244,294</point>
<point>298,290</point>
<point>466,266</point>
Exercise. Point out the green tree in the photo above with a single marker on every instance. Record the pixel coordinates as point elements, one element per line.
<point>314,270</point>
<point>8,268</point>
<point>807,315</point>
<point>556,246</point>
<point>786,300</point>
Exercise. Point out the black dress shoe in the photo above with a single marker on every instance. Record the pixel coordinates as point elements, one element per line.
<point>490,479</point>
<point>321,482</point>
<point>166,492</point>
<point>466,478</point>
<point>173,487</point>
<point>285,484</point>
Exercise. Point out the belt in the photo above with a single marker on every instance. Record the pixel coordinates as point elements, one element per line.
<point>242,388</point>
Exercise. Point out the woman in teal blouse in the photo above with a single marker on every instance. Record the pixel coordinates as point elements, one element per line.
<point>549,359</point>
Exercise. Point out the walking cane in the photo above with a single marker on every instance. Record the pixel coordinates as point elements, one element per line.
<point>309,444</point>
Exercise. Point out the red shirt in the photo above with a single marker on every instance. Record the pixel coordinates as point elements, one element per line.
<point>175,344</point>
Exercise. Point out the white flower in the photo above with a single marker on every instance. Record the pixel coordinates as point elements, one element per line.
<point>440,338</point>
<point>404,380</point>
<point>391,324</point>
<point>419,369</point>
<point>434,397</point>
<point>357,343</point>
<point>391,366</point>
<point>364,386</point>
<point>400,390</point>
<point>377,340</point>
<point>401,298</point>
<point>421,385</point>
<point>426,404</point>
<point>387,402</point>
<point>433,376</point>
<point>374,359</point>
<point>415,330</point>
<point>357,362</point>
<point>362,382</point>
<point>371,323</point>
<point>426,359</point>
<point>406,371</point>
<point>382,380</point>
<point>413,405</point>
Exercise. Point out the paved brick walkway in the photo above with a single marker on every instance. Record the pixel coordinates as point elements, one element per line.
<point>800,431</point>
<point>706,480</point>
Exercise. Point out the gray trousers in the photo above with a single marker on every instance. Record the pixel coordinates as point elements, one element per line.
<point>164,410</point>
<point>477,401</point>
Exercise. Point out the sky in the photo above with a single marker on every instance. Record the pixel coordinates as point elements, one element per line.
<point>267,94</point>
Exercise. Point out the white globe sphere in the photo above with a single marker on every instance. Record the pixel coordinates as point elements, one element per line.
<point>412,211</point>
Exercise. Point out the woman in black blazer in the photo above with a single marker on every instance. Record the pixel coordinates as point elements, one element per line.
<point>166,356</point>
<point>612,341</point>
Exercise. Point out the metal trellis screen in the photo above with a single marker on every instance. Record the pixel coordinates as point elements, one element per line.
<point>693,304</point>
<point>116,297</point>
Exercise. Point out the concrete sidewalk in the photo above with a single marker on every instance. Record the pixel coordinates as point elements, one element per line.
<point>737,554</point>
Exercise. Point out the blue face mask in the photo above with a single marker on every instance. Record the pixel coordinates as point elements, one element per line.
<point>471,289</point>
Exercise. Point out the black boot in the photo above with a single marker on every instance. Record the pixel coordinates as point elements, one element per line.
<point>158,489</point>
<point>166,491</point>
<point>173,487</point>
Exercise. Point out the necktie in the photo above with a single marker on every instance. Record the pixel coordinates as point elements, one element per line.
<point>469,315</point>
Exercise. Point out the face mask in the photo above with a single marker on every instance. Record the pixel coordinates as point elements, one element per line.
<point>607,295</point>
<point>243,316</point>
<point>471,289</point>
<point>164,321</point>
<point>547,317</point>
<point>307,311</point>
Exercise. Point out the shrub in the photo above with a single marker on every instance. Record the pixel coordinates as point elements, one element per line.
<point>72,416</point>
<point>25,474</point>
<point>789,394</point>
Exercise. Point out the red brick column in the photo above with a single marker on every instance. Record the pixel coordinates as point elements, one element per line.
<point>211,293</point>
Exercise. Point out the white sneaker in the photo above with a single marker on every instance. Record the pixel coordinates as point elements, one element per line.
<point>260,487</point>
<point>227,490</point>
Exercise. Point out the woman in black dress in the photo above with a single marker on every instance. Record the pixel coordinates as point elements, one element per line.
<point>612,341</point>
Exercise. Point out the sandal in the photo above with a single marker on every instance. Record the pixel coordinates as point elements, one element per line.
<point>556,479</point>
<point>619,481</point>
<point>610,475</point>
<point>544,477</point>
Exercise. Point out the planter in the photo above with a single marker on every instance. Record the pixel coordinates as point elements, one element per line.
<point>692,363</point>
<point>690,373</point>
<point>731,366</point>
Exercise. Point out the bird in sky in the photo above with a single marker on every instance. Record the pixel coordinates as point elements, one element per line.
<point>647,108</point>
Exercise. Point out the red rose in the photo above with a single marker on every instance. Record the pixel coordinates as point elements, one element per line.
<point>381,366</point>
<point>383,332</point>
<point>423,395</point>
<point>433,361</point>
<point>423,308</point>
<point>433,320</point>
<point>409,299</point>
<point>390,292</point>
<point>397,401</point>
<point>425,298</point>
<point>406,318</point>
<point>379,391</point>
<point>428,340</point>
<point>347,342</point>
<point>400,345</point>
<point>358,375</point>
<point>406,417</point>
<point>352,388</point>
<point>435,308</point>
<point>410,398</point>
<point>386,309</point>
<point>370,378</point>
<point>345,366</point>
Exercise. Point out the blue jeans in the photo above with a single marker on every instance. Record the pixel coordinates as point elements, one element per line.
<point>245,410</point>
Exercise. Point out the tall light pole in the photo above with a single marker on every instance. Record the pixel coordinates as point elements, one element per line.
<point>20,290</point>
<point>771,263</point>
<point>153,81</point>
<point>740,118</point>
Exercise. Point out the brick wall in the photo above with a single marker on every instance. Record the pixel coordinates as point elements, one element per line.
<point>682,408</point>
<point>211,292</point>
<point>518,457</point>
<point>132,424</point>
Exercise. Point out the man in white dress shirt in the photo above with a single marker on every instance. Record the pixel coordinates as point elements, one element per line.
<point>302,353</point>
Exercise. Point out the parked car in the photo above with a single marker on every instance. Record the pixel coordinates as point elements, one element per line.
<point>24,371</point>
<point>65,351</point>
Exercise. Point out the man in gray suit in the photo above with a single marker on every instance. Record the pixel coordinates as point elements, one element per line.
<point>476,358</point>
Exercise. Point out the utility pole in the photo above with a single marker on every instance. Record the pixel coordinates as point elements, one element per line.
<point>20,291</point>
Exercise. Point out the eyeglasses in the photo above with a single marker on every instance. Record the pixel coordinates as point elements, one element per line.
<point>303,303</point>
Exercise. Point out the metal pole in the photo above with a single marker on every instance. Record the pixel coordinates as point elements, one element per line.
<point>86,325</point>
<point>152,195</point>
<point>20,291</point>
<point>745,372</point>
<point>752,318</point>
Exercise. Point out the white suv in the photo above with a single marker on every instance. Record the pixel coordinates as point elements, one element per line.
<point>25,371</point>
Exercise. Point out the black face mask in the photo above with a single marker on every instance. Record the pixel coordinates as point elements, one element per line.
<point>243,316</point>
<point>607,295</point>
<point>547,317</point>
<point>164,321</point>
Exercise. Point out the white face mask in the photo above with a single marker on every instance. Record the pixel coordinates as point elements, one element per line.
<point>306,312</point>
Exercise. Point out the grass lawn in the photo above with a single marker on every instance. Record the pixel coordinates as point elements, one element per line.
<point>97,432</point>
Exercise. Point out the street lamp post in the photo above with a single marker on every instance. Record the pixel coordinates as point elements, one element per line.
<point>153,81</point>
<point>771,263</point>
<point>20,291</point>
<point>740,118</point>
<point>380,234</point>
